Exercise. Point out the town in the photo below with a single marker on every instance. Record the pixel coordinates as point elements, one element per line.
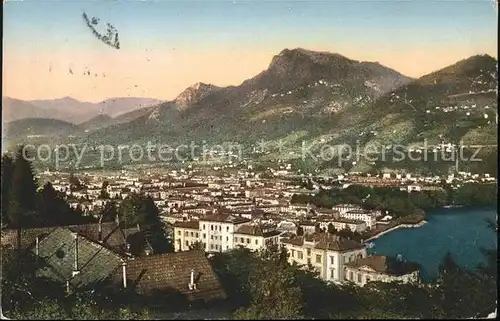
<point>202,212</point>
<point>223,211</point>
<point>249,160</point>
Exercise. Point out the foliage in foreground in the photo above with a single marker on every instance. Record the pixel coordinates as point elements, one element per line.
<point>27,296</point>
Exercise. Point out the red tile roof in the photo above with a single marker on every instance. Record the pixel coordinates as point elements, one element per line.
<point>172,271</point>
<point>386,265</point>
<point>195,225</point>
<point>325,241</point>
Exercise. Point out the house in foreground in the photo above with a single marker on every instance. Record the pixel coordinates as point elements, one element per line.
<point>181,277</point>
<point>77,258</point>
<point>326,253</point>
<point>383,269</point>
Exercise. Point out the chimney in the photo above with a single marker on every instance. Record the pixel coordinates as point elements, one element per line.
<point>100,229</point>
<point>124,270</point>
<point>75,267</point>
<point>192,285</point>
<point>37,246</point>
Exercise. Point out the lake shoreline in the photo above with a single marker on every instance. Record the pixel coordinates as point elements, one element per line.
<point>376,236</point>
<point>423,222</point>
<point>459,231</point>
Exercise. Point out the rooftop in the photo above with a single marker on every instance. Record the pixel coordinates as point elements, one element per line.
<point>256,230</point>
<point>111,235</point>
<point>225,218</point>
<point>325,241</point>
<point>171,271</point>
<point>94,262</point>
<point>195,225</point>
<point>386,265</point>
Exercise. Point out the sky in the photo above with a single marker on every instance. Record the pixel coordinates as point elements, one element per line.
<point>168,45</point>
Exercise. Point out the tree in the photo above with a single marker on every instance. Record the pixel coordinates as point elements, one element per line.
<point>55,211</point>
<point>331,228</point>
<point>374,202</point>
<point>396,206</point>
<point>22,198</point>
<point>109,213</point>
<point>274,290</point>
<point>128,213</point>
<point>233,268</point>
<point>300,231</point>
<point>20,284</point>
<point>476,194</point>
<point>197,246</point>
<point>458,286</point>
<point>141,210</point>
<point>76,307</point>
<point>7,172</point>
<point>74,183</point>
<point>421,200</point>
<point>104,190</point>
<point>397,298</point>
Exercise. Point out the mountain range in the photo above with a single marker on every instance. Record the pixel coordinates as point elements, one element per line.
<point>316,98</point>
<point>69,109</point>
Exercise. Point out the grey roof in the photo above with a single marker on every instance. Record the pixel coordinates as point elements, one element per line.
<point>95,262</point>
<point>111,235</point>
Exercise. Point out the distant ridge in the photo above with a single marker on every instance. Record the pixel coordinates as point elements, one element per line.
<point>70,109</point>
<point>321,97</point>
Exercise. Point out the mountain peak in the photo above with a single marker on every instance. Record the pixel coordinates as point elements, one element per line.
<point>67,98</point>
<point>307,52</point>
<point>477,66</point>
<point>314,56</point>
<point>201,85</point>
<point>193,94</point>
<point>297,59</point>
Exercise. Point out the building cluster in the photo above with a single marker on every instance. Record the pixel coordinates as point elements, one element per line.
<point>217,211</point>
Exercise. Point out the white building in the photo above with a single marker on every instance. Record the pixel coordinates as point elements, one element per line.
<point>308,227</point>
<point>343,224</point>
<point>287,226</point>
<point>254,237</point>
<point>383,269</point>
<point>344,208</point>
<point>217,231</point>
<point>185,235</point>
<point>368,217</point>
<point>327,253</point>
<point>223,232</point>
<point>413,188</point>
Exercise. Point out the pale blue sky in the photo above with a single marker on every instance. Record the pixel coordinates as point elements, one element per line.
<point>226,42</point>
<point>210,23</point>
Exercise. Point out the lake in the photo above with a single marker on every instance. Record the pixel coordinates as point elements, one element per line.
<point>461,231</point>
